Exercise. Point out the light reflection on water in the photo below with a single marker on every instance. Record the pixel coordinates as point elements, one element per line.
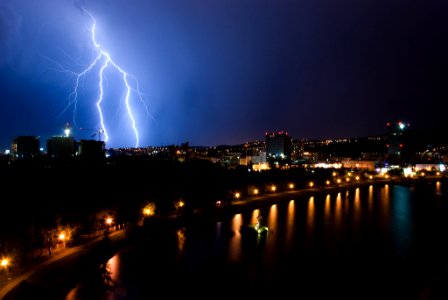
<point>338,212</point>
<point>272,218</point>
<point>327,226</point>
<point>370,198</point>
<point>327,209</point>
<point>235,240</point>
<point>110,277</point>
<point>310,216</point>
<point>271,246</point>
<point>384,203</point>
<point>357,206</point>
<point>255,215</point>
<point>113,267</point>
<point>402,219</point>
<point>438,188</point>
<point>180,233</point>
<point>290,223</point>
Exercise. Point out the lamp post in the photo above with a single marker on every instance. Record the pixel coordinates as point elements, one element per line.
<point>4,264</point>
<point>62,237</point>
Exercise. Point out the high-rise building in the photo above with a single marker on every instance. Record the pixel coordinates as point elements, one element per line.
<point>61,147</point>
<point>278,145</point>
<point>396,140</point>
<point>92,150</point>
<point>25,146</point>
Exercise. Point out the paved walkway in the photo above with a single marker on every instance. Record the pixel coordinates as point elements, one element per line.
<point>57,255</point>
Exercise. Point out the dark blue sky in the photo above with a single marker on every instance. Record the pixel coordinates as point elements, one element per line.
<point>224,72</point>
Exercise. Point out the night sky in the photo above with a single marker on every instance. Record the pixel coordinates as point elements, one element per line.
<point>224,72</point>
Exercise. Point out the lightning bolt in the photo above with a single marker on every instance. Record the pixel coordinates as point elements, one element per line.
<point>104,60</point>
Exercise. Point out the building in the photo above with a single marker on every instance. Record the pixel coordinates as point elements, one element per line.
<point>61,147</point>
<point>361,164</point>
<point>25,147</point>
<point>92,150</point>
<point>396,140</point>
<point>278,145</point>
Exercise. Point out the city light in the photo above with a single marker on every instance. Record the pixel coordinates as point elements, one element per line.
<point>407,172</point>
<point>179,204</point>
<point>311,184</point>
<point>273,188</point>
<point>291,186</point>
<point>61,236</point>
<point>256,191</point>
<point>4,262</point>
<point>109,221</point>
<point>237,195</point>
<point>149,210</point>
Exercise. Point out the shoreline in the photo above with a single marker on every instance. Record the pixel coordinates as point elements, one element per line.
<point>236,206</point>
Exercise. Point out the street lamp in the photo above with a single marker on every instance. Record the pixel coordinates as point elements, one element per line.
<point>4,263</point>
<point>149,210</point>
<point>62,238</point>
<point>179,205</point>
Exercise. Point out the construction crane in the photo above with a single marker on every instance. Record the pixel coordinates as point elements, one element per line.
<point>97,132</point>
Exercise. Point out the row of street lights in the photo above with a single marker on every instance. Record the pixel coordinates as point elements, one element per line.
<point>273,188</point>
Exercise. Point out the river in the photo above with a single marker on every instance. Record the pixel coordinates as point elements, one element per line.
<point>372,242</point>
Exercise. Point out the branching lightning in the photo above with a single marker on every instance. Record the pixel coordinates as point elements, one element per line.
<point>103,60</point>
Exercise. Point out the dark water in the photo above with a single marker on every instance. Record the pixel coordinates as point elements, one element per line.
<point>384,242</point>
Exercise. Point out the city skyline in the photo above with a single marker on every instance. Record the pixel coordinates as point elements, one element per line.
<point>225,73</point>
